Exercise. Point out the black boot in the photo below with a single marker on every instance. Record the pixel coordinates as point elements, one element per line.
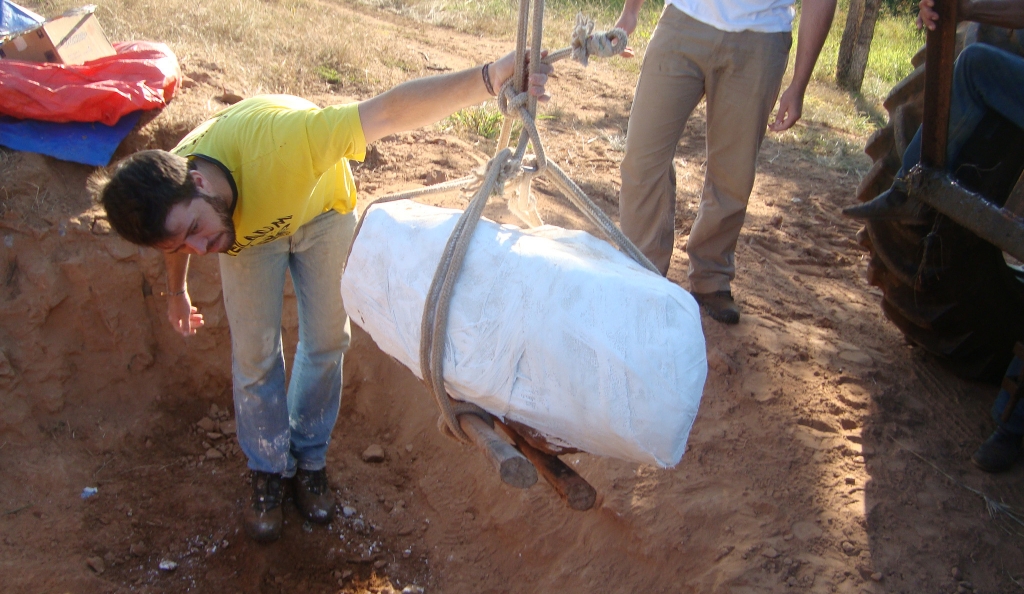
<point>891,205</point>
<point>313,495</point>
<point>999,451</point>
<point>264,517</point>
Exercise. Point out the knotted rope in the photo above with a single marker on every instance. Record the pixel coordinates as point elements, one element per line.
<point>514,103</point>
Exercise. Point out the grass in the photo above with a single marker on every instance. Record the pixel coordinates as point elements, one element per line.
<point>835,123</point>
<point>306,47</point>
<point>482,17</point>
<point>291,38</point>
<point>257,46</point>
<point>482,120</point>
<point>329,74</point>
<point>498,18</point>
<point>896,40</point>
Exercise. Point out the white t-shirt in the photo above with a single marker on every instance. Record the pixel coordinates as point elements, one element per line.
<point>765,16</point>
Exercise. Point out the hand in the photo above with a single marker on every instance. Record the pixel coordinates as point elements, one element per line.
<point>627,22</point>
<point>791,105</point>
<point>184,317</point>
<point>926,15</point>
<point>503,68</point>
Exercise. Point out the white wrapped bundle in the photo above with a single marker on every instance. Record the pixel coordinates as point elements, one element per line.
<point>552,328</point>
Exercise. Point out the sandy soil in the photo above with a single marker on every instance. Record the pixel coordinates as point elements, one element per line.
<point>828,456</point>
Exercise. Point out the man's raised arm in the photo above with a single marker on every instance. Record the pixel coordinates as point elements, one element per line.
<point>424,101</point>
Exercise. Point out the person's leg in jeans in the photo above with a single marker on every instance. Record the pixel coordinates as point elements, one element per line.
<point>278,427</point>
<point>314,394</point>
<point>984,78</point>
<point>281,430</point>
<point>318,255</point>
<point>670,86</point>
<point>253,285</point>
<point>1003,447</point>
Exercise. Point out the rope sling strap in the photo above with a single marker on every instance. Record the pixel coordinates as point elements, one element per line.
<point>507,165</point>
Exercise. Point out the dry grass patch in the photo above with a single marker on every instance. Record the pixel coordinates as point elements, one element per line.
<point>300,47</point>
<point>321,47</point>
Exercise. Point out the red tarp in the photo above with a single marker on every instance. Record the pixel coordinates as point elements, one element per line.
<point>143,75</point>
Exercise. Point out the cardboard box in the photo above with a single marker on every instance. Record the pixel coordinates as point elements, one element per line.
<point>69,39</point>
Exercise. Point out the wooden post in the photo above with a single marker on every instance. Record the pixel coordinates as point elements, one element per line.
<point>515,470</point>
<point>571,487</point>
<point>938,84</point>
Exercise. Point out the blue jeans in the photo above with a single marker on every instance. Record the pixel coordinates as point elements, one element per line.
<point>1015,424</point>
<point>984,78</point>
<point>281,430</point>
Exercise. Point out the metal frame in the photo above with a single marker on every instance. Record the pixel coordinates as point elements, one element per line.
<point>1002,227</point>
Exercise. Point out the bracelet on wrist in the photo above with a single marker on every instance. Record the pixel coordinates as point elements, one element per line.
<point>485,72</point>
<point>172,293</point>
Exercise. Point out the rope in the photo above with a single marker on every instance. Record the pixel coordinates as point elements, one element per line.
<point>434,327</point>
<point>434,189</point>
<point>514,103</point>
<point>583,202</point>
<point>585,43</point>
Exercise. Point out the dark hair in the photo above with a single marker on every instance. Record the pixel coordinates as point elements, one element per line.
<point>142,191</point>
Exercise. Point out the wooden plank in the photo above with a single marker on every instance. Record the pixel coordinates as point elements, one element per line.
<point>515,470</point>
<point>938,83</point>
<point>571,487</point>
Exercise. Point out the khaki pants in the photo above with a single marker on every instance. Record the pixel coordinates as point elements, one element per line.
<point>740,73</point>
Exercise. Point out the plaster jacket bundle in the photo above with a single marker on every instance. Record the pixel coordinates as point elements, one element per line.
<point>552,328</point>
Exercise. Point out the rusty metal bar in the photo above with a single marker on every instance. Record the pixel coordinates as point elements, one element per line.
<point>938,83</point>
<point>986,220</point>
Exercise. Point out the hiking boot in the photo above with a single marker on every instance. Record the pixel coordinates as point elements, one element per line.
<point>313,495</point>
<point>720,306</point>
<point>999,451</point>
<point>264,517</point>
<point>891,205</point>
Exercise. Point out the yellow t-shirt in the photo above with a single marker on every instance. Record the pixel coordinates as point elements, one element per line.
<point>287,160</point>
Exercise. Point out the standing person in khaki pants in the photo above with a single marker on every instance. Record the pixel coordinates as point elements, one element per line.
<point>734,52</point>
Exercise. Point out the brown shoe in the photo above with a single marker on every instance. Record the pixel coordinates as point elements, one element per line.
<point>313,495</point>
<point>263,517</point>
<point>720,306</point>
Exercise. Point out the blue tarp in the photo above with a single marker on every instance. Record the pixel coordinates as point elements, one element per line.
<point>91,143</point>
<point>15,18</point>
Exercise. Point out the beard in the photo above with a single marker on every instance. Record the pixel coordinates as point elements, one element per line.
<point>223,209</point>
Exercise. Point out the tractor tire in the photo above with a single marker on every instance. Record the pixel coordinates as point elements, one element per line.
<point>947,291</point>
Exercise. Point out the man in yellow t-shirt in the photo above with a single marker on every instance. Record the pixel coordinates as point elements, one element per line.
<point>266,184</point>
